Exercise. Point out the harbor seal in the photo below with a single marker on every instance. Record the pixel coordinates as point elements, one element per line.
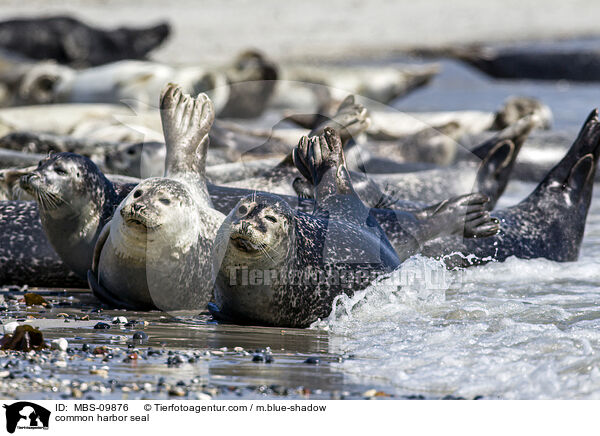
<point>75,201</point>
<point>156,251</point>
<point>264,234</point>
<point>296,262</point>
<point>549,223</point>
<point>69,41</point>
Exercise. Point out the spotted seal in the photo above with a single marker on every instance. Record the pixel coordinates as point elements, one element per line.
<point>75,200</point>
<point>549,223</point>
<point>281,267</point>
<point>26,256</point>
<point>156,250</point>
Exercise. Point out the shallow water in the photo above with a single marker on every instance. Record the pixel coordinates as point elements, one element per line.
<point>522,329</point>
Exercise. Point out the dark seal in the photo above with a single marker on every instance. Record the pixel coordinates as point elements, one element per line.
<point>549,223</point>
<point>69,41</point>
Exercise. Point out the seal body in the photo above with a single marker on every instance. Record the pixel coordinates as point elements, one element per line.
<point>285,269</point>
<point>160,233</point>
<point>156,251</point>
<point>549,223</point>
<point>26,256</point>
<point>282,267</point>
<point>75,201</point>
<point>69,41</point>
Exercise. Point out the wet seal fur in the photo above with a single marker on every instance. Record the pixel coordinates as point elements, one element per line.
<point>338,248</point>
<point>75,201</point>
<point>549,223</point>
<point>156,252</point>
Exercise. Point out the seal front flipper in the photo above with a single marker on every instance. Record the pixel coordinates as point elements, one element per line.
<point>466,214</point>
<point>108,298</point>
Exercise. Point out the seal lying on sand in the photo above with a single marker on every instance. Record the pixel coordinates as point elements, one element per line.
<point>549,223</point>
<point>308,88</point>
<point>69,41</point>
<point>156,251</point>
<point>532,63</point>
<point>284,268</point>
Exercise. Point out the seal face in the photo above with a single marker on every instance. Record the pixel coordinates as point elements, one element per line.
<point>75,200</point>
<point>156,233</point>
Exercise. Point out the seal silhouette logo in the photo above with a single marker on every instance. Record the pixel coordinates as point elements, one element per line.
<point>26,415</point>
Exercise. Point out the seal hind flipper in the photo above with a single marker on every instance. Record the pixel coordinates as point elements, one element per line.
<point>580,175</point>
<point>494,172</point>
<point>321,160</point>
<point>186,123</point>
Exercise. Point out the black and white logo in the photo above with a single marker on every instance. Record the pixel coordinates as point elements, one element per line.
<point>26,415</point>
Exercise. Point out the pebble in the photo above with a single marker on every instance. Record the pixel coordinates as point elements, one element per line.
<point>101,326</point>
<point>312,361</point>
<point>119,320</point>
<point>99,371</point>
<point>59,344</point>
<point>177,392</point>
<point>140,337</point>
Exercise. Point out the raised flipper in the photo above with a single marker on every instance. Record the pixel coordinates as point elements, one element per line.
<point>321,161</point>
<point>186,123</point>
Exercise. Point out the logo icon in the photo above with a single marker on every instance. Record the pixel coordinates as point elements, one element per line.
<point>26,415</point>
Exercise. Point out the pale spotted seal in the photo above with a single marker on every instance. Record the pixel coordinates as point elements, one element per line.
<point>156,252</point>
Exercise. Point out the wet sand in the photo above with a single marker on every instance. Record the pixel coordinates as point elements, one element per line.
<point>181,358</point>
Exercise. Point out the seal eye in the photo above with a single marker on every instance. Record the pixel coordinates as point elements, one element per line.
<point>271,218</point>
<point>131,152</point>
<point>165,201</point>
<point>242,210</point>
<point>60,171</point>
<point>137,194</point>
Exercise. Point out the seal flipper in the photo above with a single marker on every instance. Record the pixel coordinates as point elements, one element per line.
<point>107,297</point>
<point>186,123</point>
<point>494,172</point>
<point>466,214</point>
<point>99,291</point>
